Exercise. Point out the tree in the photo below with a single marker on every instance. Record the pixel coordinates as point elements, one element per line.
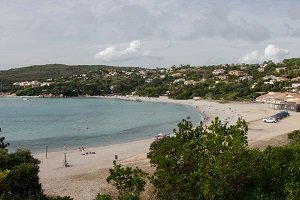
<point>215,162</point>
<point>103,197</point>
<point>19,178</point>
<point>129,182</point>
<point>3,145</point>
<point>187,164</point>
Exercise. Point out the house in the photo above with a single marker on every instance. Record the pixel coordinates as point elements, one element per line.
<point>261,69</point>
<point>280,79</point>
<point>190,82</point>
<point>249,78</point>
<point>236,73</point>
<point>217,72</point>
<point>222,77</point>
<point>292,106</point>
<point>177,75</point>
<point>280,68</point>
<point>148,80</point>
<point>295,85</point>
<point>297,79</point>
<point>272,77</point>
<point>271,82</point>
<point>179,80</point>
<point>278,97</point>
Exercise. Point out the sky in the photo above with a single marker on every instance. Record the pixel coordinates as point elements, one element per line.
<point>147,33</point>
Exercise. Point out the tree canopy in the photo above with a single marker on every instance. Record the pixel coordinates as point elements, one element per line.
<point>215,162</point>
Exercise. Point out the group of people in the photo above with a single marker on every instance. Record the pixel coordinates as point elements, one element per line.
<point>81,149</point>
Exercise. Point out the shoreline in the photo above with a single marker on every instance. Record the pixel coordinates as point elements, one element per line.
<point>87,174</point>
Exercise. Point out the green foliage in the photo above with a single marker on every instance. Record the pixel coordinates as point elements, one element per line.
<point>23,181</point>
<point>3,175</point>
<point>103,197</point>
<point>128,181</point>
<point>215,162</point>
<point>3,145</point>
<point>19,177</point>
<point>294,136</point>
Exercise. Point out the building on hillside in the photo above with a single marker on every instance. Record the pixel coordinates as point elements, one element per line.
<point>249,78</point>
<point>236,73</point>
<point>217,72</point>
<point>190,82</point>
<point>261,69</point>
<point>177,75</point>
<point>280,79</point>
<point>222,77</point>
<point>179,80</point>
<point>295,85</point>
<point>271,77</point>
<point>280,68</point>
<point>297,79</point>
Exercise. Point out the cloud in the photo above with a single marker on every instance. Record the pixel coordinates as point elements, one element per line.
<point>294,12</point>
<point>113,54</point>
<point>271,52</point>
<point>292,30</point>
<point>219,22</point>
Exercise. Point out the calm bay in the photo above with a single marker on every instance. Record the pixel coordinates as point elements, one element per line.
<point>35,123</point>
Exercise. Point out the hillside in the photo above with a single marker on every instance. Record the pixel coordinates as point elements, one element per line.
<point>44,72</point>
<point>221,82</point>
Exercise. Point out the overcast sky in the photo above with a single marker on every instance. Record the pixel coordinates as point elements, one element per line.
<point>150,33</point>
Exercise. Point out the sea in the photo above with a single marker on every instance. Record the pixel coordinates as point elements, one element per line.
<point>37,123</point>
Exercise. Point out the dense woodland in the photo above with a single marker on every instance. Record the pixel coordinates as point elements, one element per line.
<point>178,82</point>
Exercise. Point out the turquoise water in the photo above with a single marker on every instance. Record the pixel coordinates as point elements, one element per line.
<point>37,123</point>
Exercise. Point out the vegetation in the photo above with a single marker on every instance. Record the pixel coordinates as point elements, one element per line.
<point>128,181</point>
<point>294,136</point>
<point>19,176</point>
<point>215,162</point>
<point>225,82</point>
<point>103,197</point>
<point>3,144</point>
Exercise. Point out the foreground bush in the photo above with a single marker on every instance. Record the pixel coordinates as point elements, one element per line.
<point>215,162</point>
<point>128,181</point>
<point>19,176</point>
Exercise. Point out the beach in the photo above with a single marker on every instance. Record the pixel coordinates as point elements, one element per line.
<point>86,174</point>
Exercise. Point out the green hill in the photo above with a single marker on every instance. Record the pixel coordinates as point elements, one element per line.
<point>44,72</point>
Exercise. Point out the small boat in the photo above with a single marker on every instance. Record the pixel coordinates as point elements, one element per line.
<point>25,99</point>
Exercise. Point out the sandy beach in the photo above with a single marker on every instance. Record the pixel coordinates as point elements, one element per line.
<point>87,174</point>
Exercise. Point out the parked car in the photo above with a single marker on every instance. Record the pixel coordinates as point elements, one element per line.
<point>279,115</point>
<point>285,113</point>
<point>270,120</point>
